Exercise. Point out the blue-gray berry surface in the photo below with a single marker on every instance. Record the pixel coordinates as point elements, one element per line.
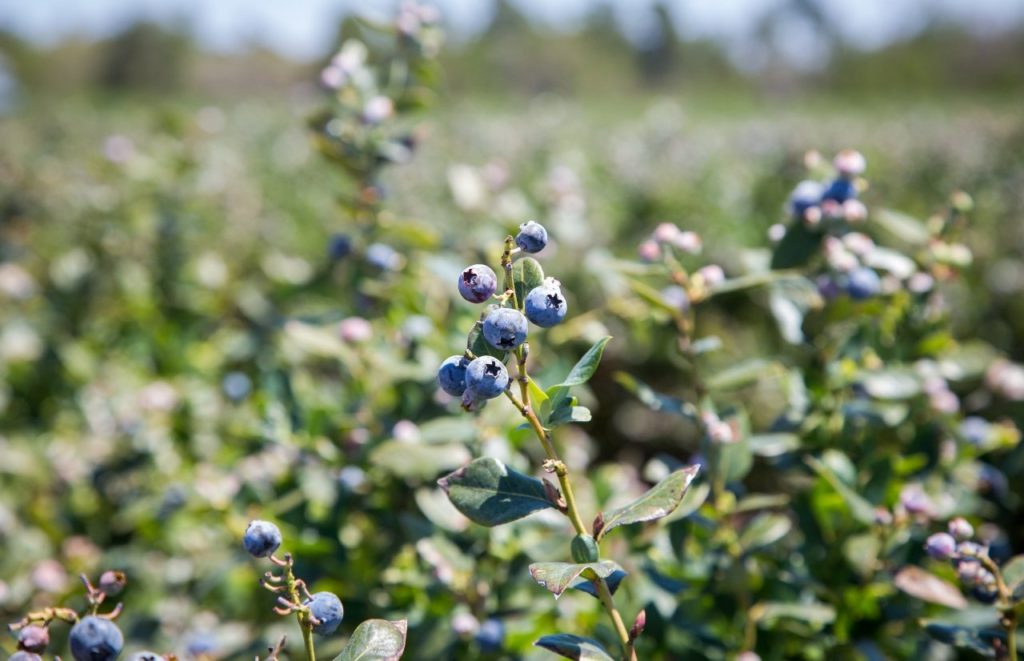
<point>451,376</point>
<point>477,283</point>
<point>486,378</point>
<point>505,328</point>
<point>840,190</point>
<point>532,237</point>
<point>383,257</point>
<point>863,283</point>
<point>95,639</point>
<point>326,608</point>
<point>491,635</point>
<point>807,194</point>
<point>545,305</point>
<point>33,638</point>
<point>261,539</point>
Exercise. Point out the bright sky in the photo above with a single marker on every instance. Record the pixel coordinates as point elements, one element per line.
<point>303,29</point>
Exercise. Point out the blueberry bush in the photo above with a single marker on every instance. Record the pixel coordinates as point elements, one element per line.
<point>507,383</point>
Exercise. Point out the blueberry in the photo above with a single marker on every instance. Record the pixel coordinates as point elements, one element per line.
<point>941,546</point>
<point>840,190</point>
<point>676,298</point>
<point>326,609</point>
<point>33,638</point>
<point>486,378</point>
<point>383,257</point>
<point>545,305</point>
<point>975,430</point>
<point>236,386</point>
<point>146,656</point>
<point>261,539</point>
<point>477,283</point>
<point>452,375</point>
<point>491,636</point>
<point>339,247</point>
<point>532,237</point>
<point>505,328</point>
<point>807,194</point>
<point>95,639</point>
<point>863,283</point>
<point>960,529</point>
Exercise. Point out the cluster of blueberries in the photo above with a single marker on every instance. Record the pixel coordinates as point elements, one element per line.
<point>478,379</point>
<point>815,204</point>
<point>956,546</point>
<point>261,540</point>
<point>92,638</point>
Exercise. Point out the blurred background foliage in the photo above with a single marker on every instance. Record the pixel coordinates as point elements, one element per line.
<point>170,351</point>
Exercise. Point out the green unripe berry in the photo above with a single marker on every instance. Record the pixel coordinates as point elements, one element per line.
<point>584,549</point>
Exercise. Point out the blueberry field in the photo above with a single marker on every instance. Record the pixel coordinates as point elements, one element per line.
<point>391,366</point>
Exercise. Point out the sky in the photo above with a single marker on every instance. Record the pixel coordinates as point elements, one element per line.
<point>304,29</point>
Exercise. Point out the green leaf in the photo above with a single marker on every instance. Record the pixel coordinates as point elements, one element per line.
<point>574,647</point>
<point>556,577</point>
<point>481,347</point>
<point>375,640</point>
<point>613,581</point>
<point>568,413</point>
<point>862,552</point>
<point>764,530</point>
<point>490,493</point>
<point>981,641</point>
<point>816,614</point>
<point>1013,574</point>
<point>655,400</point>
<point>660,500</point>
<point>744,374</point>
<point>892,384</point>
<point>928,587</point>
<point>418,461</point>
<point>773,445</point>
<point>902,227</point>
<point>796,248</point>
<point>587,365</point>
<point>860,508</point>
<point>527,273</point>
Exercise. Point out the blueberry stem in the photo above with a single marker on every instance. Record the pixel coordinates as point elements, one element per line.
<point>571,510</point>
<point>302,615</point>
<point>1006,605</point>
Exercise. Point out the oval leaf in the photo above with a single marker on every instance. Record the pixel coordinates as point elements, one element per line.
<point>659,501</point>
<point>613,580</point>
<point>527,273</point>
<point>375,640</point>
<point>556,577</point>
<point>574,647</point>
<point>490,493</point>
<point>928,587</point>
<point>587,365</point>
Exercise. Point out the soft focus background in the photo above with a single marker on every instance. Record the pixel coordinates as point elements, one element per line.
<point>161,199</point>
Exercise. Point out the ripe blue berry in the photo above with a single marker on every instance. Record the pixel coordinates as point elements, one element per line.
<point>95,639</point>
<point>486,378</point>
<point>452,375</point>
<point>383,257</point>
<point>326,609</point>
<point>261,539</point>
<point>840,190</point>
<point>146,656</point>
<point>505,328</point>
<point>863,283</point>
<point>545,305</point>
<point>807,194</point>
<point>491,636</point>
<point>532,237</point>
<point>941,546</point>
<point>339,247</point>
<point>477,283</point>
